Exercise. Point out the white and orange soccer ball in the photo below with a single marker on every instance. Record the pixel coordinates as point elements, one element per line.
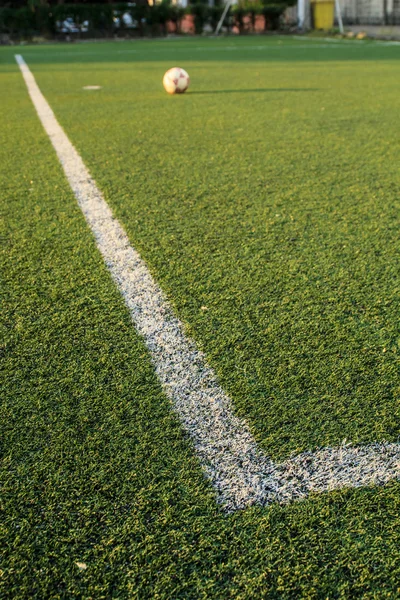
<point>176,81</point>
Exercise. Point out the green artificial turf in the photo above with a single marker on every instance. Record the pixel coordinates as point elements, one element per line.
<point>274,204</point>
<point>269,195</point>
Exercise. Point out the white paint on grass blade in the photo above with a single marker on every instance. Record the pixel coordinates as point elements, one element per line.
<point>239,471</point>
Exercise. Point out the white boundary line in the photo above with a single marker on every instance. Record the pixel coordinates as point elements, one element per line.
<point>311,44</point>
<point>239,471</point>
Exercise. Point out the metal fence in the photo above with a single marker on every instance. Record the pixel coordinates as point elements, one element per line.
<point>371,12</point>
<point>355,12</point>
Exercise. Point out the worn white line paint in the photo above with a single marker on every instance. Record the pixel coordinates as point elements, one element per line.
<point>240,473</point>
<point>328,43</point>
<point>91,87</point>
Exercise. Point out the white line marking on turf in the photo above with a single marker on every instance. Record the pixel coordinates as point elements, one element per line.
<point>239,471</point>
<point>91,87</point>
<point>312,45</point>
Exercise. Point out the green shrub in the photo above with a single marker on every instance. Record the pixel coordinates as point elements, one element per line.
<point>42,19</point>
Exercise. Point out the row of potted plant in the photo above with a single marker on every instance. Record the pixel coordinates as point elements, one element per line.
<point>138,19</point>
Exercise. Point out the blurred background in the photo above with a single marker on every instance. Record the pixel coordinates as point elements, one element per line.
<point>69,20</point>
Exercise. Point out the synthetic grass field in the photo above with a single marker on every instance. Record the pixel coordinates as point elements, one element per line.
<point>265,203</point>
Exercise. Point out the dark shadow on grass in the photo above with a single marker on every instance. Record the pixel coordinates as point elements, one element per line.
<point>254,90</point>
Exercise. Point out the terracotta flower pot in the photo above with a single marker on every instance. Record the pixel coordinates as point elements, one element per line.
<point>187,24</point>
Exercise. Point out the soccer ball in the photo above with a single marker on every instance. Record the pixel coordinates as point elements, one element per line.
<point>176,81</point>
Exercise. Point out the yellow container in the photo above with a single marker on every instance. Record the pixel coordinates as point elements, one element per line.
<point>323,13</point>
